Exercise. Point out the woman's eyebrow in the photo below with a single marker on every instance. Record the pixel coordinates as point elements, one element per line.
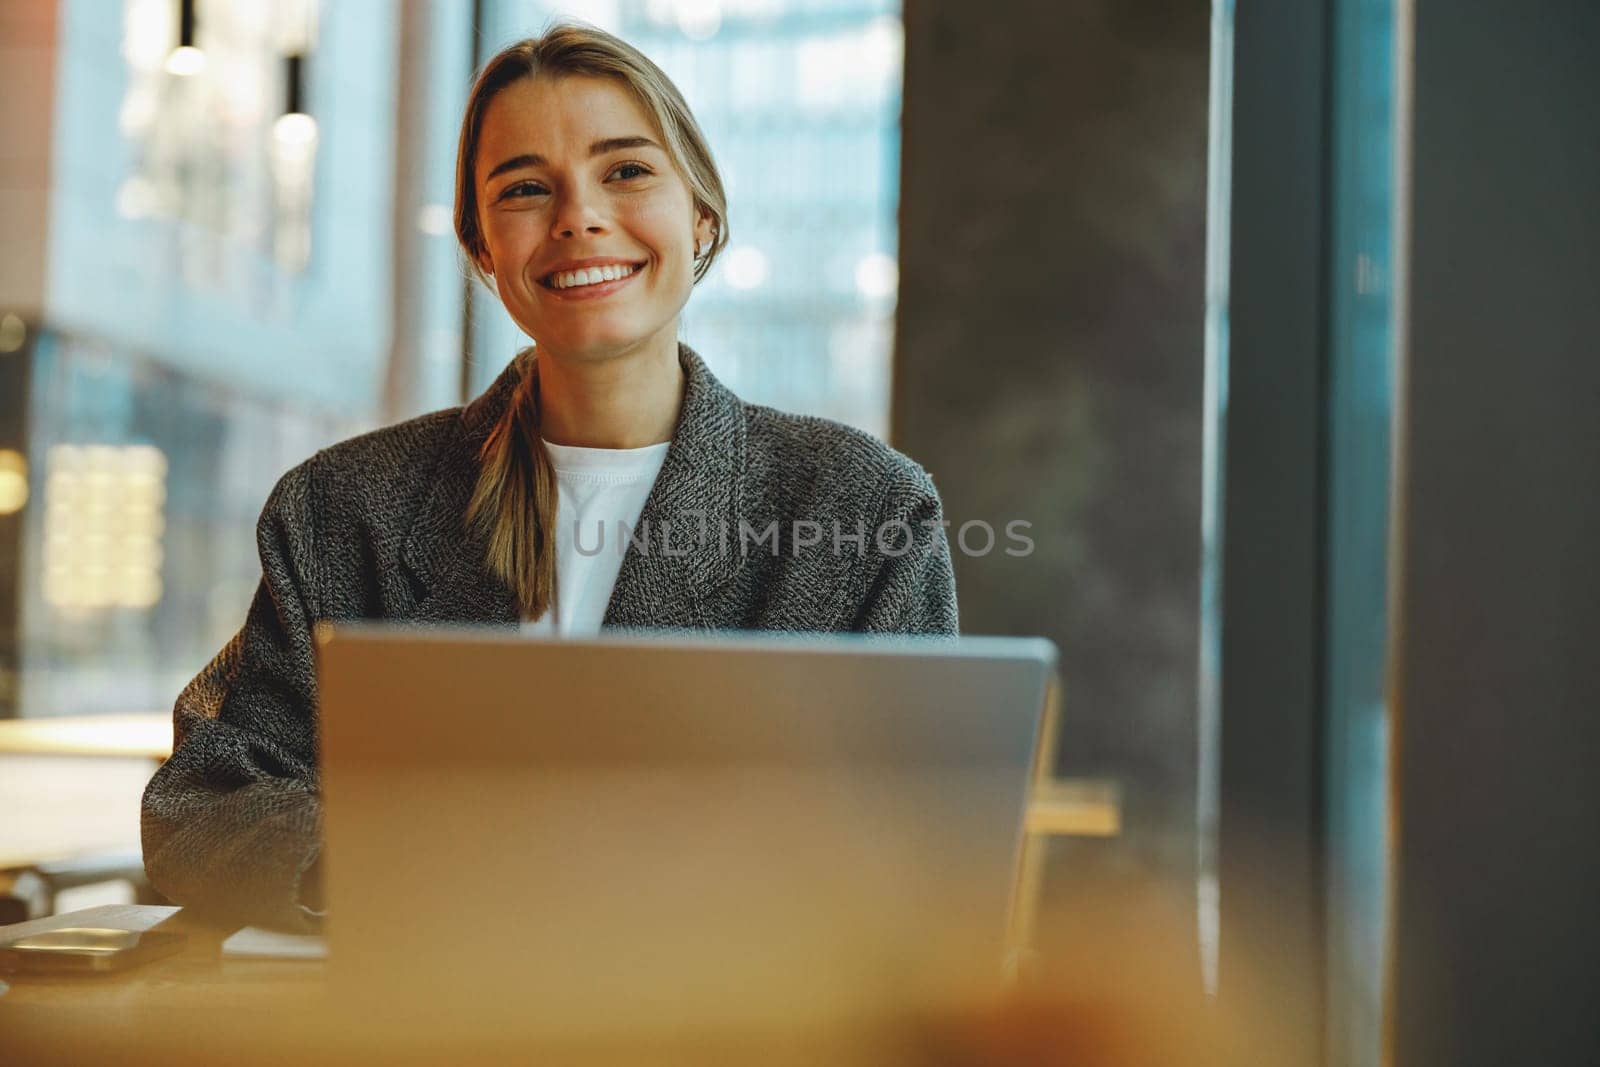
<point>599,148</point>
<point>527,159</point>
<point>616,144</point>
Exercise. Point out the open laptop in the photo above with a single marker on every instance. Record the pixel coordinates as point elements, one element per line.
<point>535,836</point>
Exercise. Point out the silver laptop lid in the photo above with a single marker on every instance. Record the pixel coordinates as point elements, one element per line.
<point>554,837</point>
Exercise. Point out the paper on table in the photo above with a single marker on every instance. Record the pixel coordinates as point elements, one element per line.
<point>255,943</point>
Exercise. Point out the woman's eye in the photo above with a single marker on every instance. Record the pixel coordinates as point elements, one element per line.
<point>522,189</point>
<point>625,171</point>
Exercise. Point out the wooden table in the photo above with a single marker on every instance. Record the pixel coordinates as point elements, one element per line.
<point>194,1007</point>
<point>199,1007</point>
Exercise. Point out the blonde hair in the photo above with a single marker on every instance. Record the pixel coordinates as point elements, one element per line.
<point>514,502</point>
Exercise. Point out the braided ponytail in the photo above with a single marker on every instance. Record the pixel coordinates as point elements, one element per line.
<point>514,502</point>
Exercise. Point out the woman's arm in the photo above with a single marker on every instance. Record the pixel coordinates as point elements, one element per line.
<point>911,591</point>
<point>231,822</point>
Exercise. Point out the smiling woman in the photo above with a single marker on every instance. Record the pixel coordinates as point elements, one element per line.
<point>598,209</point>
<point>587,197</point>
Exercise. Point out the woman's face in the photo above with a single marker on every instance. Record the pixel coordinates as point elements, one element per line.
<point>590,228</point>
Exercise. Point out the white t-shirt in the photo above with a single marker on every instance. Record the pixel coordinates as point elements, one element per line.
<point>597,488</point>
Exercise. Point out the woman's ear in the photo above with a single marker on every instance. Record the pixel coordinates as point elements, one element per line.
<point>485,264</point>
<point>705,230</point>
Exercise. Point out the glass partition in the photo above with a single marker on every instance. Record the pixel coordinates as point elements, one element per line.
<point>138,551</point>
<point>1361,378</point>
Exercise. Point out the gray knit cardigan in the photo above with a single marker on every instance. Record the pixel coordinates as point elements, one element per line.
<point>374,528</point>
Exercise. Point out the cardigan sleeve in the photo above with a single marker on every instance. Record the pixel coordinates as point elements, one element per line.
<point>231,823</point>
<point>910,583</point>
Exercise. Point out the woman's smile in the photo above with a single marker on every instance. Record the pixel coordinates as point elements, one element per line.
<point>591,279</point>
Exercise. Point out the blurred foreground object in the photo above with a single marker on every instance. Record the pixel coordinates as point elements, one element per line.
<point>1134,1002</point>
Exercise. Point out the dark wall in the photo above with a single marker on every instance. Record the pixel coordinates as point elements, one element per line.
<point>1499,707</point>
<point>1049,360</point>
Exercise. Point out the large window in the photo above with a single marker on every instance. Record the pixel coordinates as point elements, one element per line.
<point>138,555</point>
<point>217,308</point>
<point>251,256</point>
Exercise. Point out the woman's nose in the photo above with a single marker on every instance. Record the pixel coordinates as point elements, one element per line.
<point>576,213</point>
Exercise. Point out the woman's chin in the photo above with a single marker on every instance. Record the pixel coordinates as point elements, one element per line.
<point>595,347</point>
<point>601,341</point>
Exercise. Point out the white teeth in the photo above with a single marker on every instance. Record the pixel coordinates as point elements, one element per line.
<point>568,279</point>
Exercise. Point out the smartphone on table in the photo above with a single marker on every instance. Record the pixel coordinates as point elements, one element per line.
<point>85,949</point>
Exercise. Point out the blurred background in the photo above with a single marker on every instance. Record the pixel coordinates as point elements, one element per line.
<point>229,244</point>
<point>1231,306</point>
<point>244,252</point>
